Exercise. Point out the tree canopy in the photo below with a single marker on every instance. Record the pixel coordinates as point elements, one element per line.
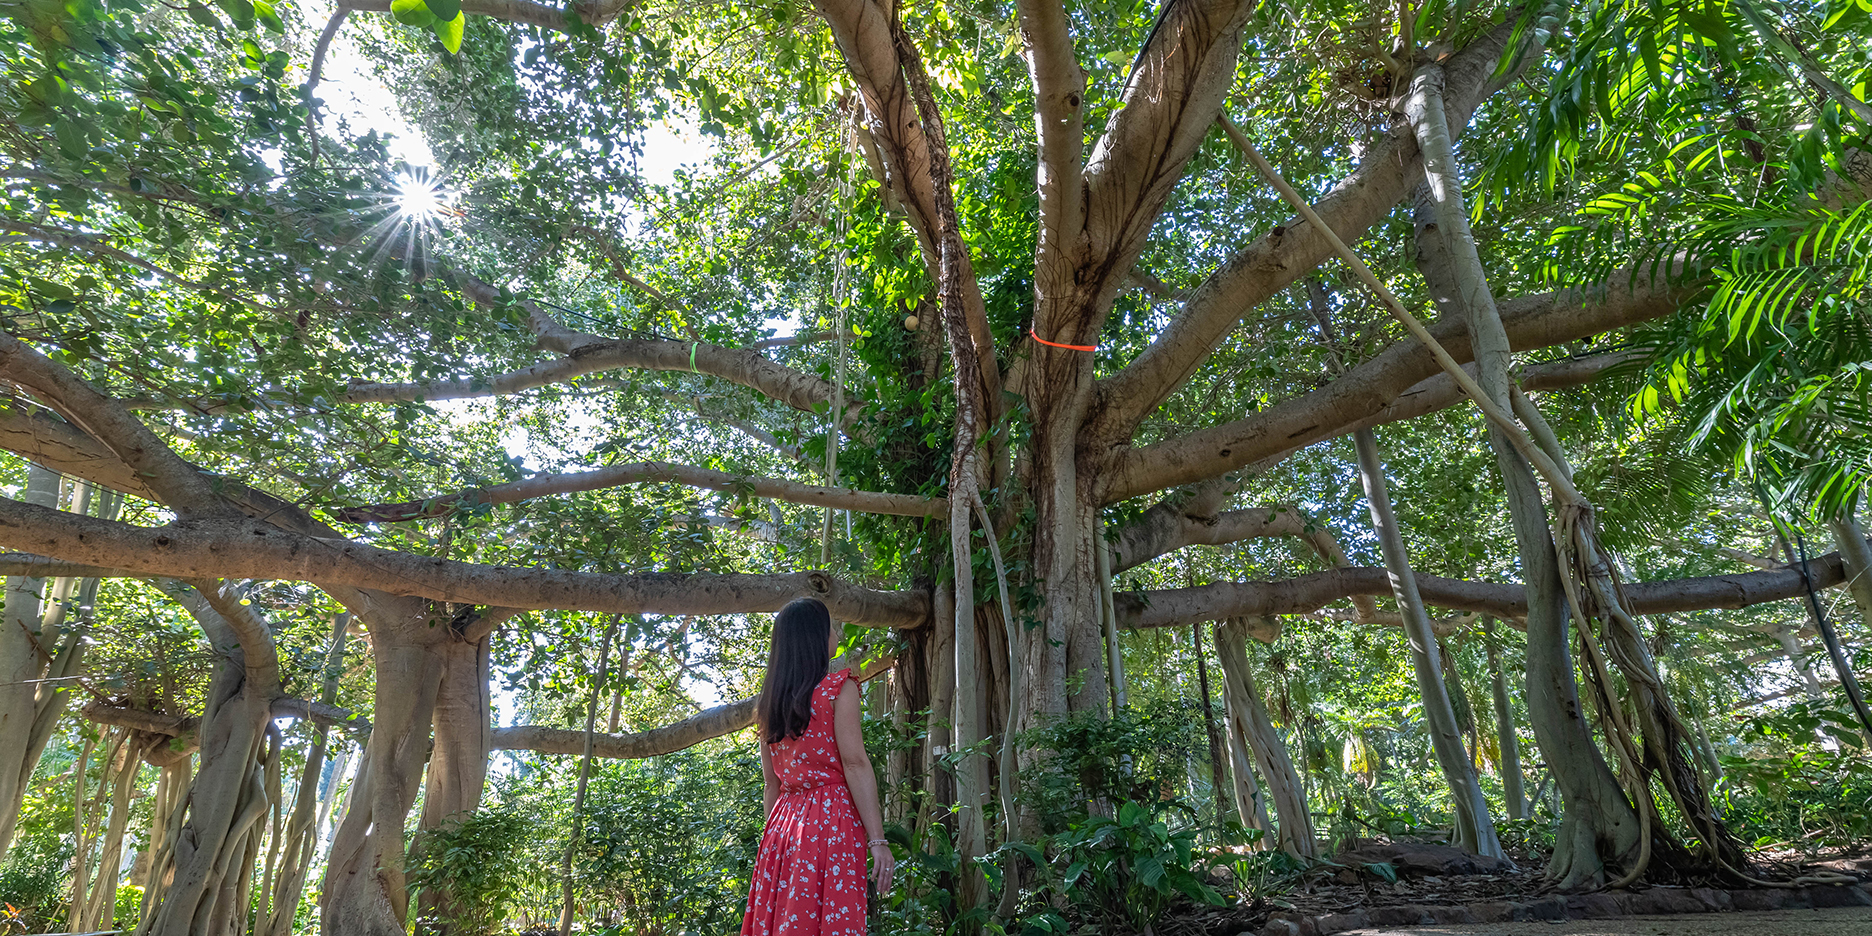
<point>979,322</point>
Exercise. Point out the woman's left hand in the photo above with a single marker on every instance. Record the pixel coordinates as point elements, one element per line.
<point>882,864</point>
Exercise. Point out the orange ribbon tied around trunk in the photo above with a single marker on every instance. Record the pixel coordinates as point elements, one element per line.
<point>1055,344</point>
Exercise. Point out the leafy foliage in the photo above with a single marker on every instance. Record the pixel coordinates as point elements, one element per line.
<point>474,867</point>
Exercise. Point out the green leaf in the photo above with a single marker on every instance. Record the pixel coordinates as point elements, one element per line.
<point>412,13</point>
<point>444,10</point>
<point>451,32</point>
<point>240,11</point>
<point>268,17</point>
<point>203,16</point>
<point>1073,872</point>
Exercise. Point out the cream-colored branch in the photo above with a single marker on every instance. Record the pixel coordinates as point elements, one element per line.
<point>713,723</point>
<point>253,549</point>
<point>1365,394</point>
<point>176,482</point>
<point>1181,607</point>
<point>1558,480</point>
<point>1390,169</point>
<point>904,505</point>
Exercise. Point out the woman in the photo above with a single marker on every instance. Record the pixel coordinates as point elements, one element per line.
<point>822,800</point>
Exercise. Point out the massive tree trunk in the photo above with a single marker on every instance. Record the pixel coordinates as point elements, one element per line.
<point>1599,824</point>
<point>365,892</point>
<point>1295,833</point>
<point>1474,829</point>
<point>228,797</point>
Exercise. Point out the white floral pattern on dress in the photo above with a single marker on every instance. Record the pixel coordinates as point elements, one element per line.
<point>809,879</point>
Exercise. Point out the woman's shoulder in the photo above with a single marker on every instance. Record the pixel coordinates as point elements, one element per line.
<point>835,680</point>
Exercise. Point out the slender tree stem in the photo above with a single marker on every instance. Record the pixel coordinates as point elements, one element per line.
<point>578,797</point>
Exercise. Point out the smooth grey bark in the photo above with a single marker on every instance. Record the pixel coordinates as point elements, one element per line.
<point>365,891</point>
<point>1856,553</point>
<point>1108,621</point>
<point>22,665</point>
<point>1474,827</point>
<point>1599,823</point>
<point>101,904</point>
<point>1250,805</point>
<point>1507,737</point>
<point>1797,658</point>
<point>1295,833</point>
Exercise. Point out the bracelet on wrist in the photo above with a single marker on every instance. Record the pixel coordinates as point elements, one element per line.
<point>876,842</point>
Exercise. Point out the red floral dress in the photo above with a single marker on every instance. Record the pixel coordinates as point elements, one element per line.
<point>809,879</point>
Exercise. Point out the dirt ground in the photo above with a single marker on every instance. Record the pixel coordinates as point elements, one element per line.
<point>1836,921</point>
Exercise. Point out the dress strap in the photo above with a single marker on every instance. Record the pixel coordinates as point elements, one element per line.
<point>835,680</point>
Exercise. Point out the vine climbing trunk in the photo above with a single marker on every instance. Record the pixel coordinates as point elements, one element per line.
<point>1216,766</point>
<point>1590,585</point>
<point>1294,834</point>
<point>101,903</point>
<point>1474,830</point>
<point>577,832</point>
<point>300,839</point>
<point>964,474</point>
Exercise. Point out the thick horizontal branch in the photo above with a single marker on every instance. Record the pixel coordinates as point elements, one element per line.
<point>1364,392</point>
<point>1392,166</point>
<point>30,566</point>
<point>527,12</point>
<point>180,726</point>
<point>1198,520</point>
<point>721,720</point>
<point>903,505</point>
<point>1220,600</point>
<point>1167,527</point>
<point>238,549</point>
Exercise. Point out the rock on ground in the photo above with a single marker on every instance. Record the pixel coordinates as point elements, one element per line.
<point>1833,921</point>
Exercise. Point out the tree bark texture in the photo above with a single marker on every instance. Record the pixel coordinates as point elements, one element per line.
<point>1507,735</point>
<point>364,888</point>
<point>23,662</point>
<point>1600,823</point>
<point>1294,833</point>
<point>1475,829</point>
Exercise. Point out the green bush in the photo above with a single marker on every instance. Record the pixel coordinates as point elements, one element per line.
<point>670,842</point>
<point>1140,755</point>
<point>33,885</point>
<point>469,870</point>
<point>1807,780</point>
<point>1125,871</point>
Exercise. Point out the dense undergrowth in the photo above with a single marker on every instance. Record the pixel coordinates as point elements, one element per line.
<point>1126,831</point>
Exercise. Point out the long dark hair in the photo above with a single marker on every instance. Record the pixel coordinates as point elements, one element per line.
<point>796,663</point>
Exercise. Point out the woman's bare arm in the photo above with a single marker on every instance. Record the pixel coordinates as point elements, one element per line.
<point>770,783</point>
<point>861,779</point>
